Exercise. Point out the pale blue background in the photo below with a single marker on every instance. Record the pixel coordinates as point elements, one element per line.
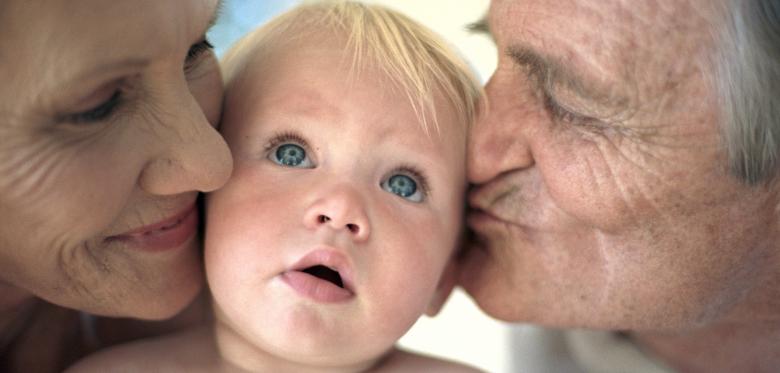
<point>241,16</point>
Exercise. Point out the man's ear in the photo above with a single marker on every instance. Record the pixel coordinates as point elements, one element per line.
<point>443,290</point>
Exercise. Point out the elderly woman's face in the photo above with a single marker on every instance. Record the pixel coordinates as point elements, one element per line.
<point>107,114</point>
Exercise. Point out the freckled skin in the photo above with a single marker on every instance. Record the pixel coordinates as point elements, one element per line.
<point>632,223</point>
<point>67,187</point>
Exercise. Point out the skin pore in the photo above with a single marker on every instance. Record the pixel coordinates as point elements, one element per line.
<point>603,197</point>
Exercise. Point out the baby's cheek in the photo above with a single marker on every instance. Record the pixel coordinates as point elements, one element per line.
<point>400,308</point>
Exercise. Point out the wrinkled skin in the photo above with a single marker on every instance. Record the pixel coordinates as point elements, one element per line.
<point>607,203</point>
<point>71,181</point>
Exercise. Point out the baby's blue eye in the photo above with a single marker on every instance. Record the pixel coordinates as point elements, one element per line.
<point>403,186</point>
<point>291,155</point>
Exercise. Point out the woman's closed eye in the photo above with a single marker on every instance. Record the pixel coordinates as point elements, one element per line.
<point>98,113</point>
<point>196,53</point>
<point>113,99</point>
<point>98,107</point>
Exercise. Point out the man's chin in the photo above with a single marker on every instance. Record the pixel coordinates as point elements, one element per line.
<point>482,280</point>
<point>471,266</point>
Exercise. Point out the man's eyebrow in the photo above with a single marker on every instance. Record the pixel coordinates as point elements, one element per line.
<point>547,72</point>
<point>480,27</point>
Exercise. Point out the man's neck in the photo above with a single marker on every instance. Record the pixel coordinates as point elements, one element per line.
<point>12,296</point>
<point>719,348</point>
<point>13,304</point>
<point>15,308</point>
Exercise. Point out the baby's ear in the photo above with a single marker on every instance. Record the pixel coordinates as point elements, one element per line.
<point>443,290</point>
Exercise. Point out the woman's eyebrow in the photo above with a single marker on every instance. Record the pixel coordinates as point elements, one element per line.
<point>215,16</point>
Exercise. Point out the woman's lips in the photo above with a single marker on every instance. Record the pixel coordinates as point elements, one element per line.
<point>317,288</point>
<point>165,235</point>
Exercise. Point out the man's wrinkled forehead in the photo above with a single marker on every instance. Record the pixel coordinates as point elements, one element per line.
<point>608,16</point>
<point>614,40</point>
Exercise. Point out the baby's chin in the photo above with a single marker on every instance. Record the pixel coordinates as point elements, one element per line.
<point>302,340</point>
<point>287,329</point>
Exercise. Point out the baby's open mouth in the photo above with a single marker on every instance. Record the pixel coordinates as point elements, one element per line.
<point>325,273</point>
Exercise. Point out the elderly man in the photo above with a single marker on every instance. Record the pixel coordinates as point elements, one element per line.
<point>625,177</point>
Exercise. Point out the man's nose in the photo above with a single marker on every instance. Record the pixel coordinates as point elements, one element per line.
<point>498,141</point>
<point>340,208</point>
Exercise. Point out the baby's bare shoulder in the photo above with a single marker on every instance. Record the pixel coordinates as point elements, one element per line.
<point>185,351</point>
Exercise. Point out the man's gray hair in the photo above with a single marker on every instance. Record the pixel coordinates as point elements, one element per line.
<point>748,69</point>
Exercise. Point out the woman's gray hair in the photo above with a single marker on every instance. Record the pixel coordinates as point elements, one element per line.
<point>748,68</point>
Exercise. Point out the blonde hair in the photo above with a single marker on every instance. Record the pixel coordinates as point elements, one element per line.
<point>412,56</point>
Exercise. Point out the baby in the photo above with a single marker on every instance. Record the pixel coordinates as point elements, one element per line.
<point>347,123</point>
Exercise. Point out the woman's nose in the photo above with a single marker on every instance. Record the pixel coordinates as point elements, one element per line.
<point>340,208</point>
<point>498,141</point>
<point>192,156</point>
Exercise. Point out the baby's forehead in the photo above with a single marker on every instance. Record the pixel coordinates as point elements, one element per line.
<point>304,90</point>
<point>307,70</point>
<point>300,88</point>
<point>403,57</point>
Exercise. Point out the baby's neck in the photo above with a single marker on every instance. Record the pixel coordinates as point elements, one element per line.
<point>243,356</point>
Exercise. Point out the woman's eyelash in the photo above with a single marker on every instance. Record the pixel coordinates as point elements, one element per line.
<point>99,113</point>
<point>417,175</point>
<point>196,50</point>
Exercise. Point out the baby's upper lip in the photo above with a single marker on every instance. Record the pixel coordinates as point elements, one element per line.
<point>329,257</point>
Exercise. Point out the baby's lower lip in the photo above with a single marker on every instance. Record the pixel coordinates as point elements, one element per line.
<point>315,288</point>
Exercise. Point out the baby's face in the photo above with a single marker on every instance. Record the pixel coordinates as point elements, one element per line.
<point>341,214</point>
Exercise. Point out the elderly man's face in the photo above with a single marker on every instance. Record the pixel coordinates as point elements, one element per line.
<point>602,194</point>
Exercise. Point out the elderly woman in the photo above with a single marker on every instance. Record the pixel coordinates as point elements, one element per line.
<point>107,115</point>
